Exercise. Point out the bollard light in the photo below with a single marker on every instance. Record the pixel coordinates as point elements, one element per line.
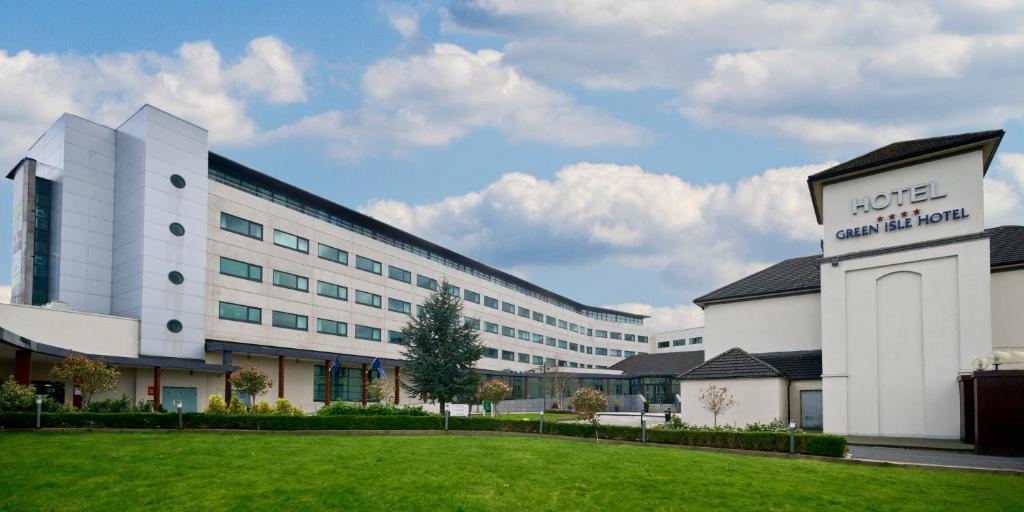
<point>39,411</point>
<point>181,423</point>
<point>542,421</point>
<point>643,427</point>
<point>792,436</point>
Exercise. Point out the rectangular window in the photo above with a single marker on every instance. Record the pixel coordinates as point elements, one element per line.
<point>508,356</point>
<point>551,342</point>
<point>364,263</point>
<point>395,338</point>
<point>538,338</point>
<point>332,254</point>
<point>453,291</point>
<point>590,332</point>
<point>562,324</point>
<point>563,344</point>
<point>291,281</point>
<point>399,306</point>
<point>590,350</point>
<point>697,341</point>
<point>490,302</point>
<point>601,351</point>
<point>241,226</point>
<point>550,320</point>
<point>426,282</point>
<point>230,267</point>
<point>290,241</point>
<point>601,334</point>
<point>664,344</point>
<point>538,316</point>
<point>630,353</point>
<point>240,313</point>
<point>399,274</point>
<point>491,352</point>
<point>562,362</point>
<point>472,322</point>
<point>574,347</point>
<point>524,335</point>
<point>367,333</point>
<point>523,312</point>
<point>367,299</point>
<point>346,386</point>
<point>616,335</point>
<point>642,339</point>
<point>489,327</point>
<point>289,321</point>
<point>630,337</point>
<point>574,328</point>
<point>473,297</point>
<point>508,308</point>
<point>676,343</point>
<point>573,364</point>
<point>537,360</point>
<point>508,331</point>
<point>334,291</point>
<point>331,327</point>
<point>524,358</point>
<point>615,352</point>
<point>550,361</point>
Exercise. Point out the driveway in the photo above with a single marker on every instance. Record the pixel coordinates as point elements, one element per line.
<point>936,457</point>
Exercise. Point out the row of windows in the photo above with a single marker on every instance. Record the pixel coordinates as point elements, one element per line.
<point>546,340</point>
<point>508,355</point>
<point>680,342</point>
<point>283,319</point>
<point>289,202</point>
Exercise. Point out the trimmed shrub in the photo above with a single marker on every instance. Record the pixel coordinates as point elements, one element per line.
<point>285,408</point>
<point>123,404</point>
<point>262,408</point>
<point>15,397</point>
<point>350,409</point>
<point>216,405</point>
<point>342,422</point>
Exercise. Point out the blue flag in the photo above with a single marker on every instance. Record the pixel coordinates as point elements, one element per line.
<point>336,367</point>
<point>376,365</point>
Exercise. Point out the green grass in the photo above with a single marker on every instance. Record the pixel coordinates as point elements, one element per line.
<point>534,416</point>
<point>211,471</point>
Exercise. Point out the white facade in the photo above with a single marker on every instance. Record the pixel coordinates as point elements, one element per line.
<point>689,339</point>
<point>757,400</point>
<point>771,324</point>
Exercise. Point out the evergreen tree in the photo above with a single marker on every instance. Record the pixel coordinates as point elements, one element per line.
<point>441,350</point>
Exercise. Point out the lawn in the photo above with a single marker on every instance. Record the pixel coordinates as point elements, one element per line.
<point>211,471</point>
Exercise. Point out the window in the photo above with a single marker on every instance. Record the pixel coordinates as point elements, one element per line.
<point>346,386</point>
<point>291,281</point>
<point>590,350</point>
<point>472,322</point>
<point>471,296</point>
<point>240,313</point>
<point>399,274</point>
<point>524,335</point>
<point>676,343</point>
<point>642,339</point>
<point>697,341</point>
<point>562,362</point>
<point>664,344</point>
<point>551,342</point>
<point>550,320</point>
<point>616,335</point>
<point>524,358</point>
<point>175,277</point>
<point>630,337</point>
<point>367,333</point>
<point>523,312</point>
<point>174,325</point>
<point>537,360</point>
<point>419,310</point>
<point>241,226</point>
<point>508,331</point>
<point>426,282</point>
<point>590,332</point>
<point>601,334</point>
<point>289,321</point>
<point>367,299</point>
<point>395,338</point>
<point>368,265</point>
<point>177,181</point>
<point>615,352</point>
<point>538,316</point>
<point>563,344</point>
<point>574,328</point>
<point>562,324</point>
<point>491,352</point>
<point>489,327</point>
<point>290,241</point>
<point>334,291</point>
<point>573,364</point>
<point>574,347</point>
<point>453,290</point>
<point>332,254</point>
<point>601,351</point>
<point>538,338</point>
<point>508,308</point>
<point>490,302</point>
<point>550,361</point>
<point>630,353</point>
<point>230,267</point>
<point>399,306</point>
<point>508,356</point>
<point>331,327</point>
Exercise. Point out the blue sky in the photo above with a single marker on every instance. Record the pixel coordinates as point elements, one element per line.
<point>632,155</point>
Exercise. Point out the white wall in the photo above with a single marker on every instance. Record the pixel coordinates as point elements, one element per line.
<point>687,336</point>
<point>760,400</point>
<point>1007,317</point>
<point>764,325</point>
<point>90,333</point>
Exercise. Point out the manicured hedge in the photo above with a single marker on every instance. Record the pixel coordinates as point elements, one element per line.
<point>810,444</point>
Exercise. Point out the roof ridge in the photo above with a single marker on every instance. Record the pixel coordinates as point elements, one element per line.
<point>731,351</point>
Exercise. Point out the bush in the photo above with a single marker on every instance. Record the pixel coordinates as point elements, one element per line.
<point>283,407</point>
<point>350,409</point>
<point>216,405</point>
<point>262,408</point>
<point>236,406</point>
<point>15,397</point>
<point>123,404</point>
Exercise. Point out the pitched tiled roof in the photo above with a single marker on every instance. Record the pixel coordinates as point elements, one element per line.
<point>904,150</point>
<point>803,274</point>
<point>666,363</point>
<point>737,363</point>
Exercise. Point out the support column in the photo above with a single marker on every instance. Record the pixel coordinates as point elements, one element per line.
<point>280,376</point>
<point>398,383</point>
<point>227,356</point>
<point>364,385</point>
<point>23,367</point>
<point>327,382</point>
<point>156,387</point>
<point>526,387</point>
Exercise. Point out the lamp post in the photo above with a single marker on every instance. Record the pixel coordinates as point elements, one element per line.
<point>792,436</point>
<point>542,421</point>
<point>39,411</point>
<point>643,427</point>
<point>181,424</point>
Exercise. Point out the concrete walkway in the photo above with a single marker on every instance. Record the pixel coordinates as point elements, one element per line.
<point>911,442</point>
<point>629,419</point>
<point>935,457</point>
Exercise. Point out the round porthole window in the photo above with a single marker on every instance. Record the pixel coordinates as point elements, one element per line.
<point>175,277</point>
<point>177,229</point>
<point>174,325</point>
<point>177,181</point>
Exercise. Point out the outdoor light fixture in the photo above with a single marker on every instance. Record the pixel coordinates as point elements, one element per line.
<point>979,364</point>
<point>998,357</point>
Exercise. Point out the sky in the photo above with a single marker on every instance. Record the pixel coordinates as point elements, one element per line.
<point>626,154</point>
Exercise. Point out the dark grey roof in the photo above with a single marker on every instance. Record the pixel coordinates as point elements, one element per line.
<point>803,275</point>
<point>734,363</point>
<point>666,363</point>
<point>797,365</point>
<point>904,150</point>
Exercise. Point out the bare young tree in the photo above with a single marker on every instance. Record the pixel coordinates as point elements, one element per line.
<point>716,400</point>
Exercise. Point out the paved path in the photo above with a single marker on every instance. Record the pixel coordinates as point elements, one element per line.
<point>630,419</point>
<point>937,457</point>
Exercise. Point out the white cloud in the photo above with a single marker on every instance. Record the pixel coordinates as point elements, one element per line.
<point>404,19</point>
<point>665,318</point>
<point>434,98</point>
<point>193,83</point>
<point>1004,190</point>
<point>836,74</point>
<point>5,294</point>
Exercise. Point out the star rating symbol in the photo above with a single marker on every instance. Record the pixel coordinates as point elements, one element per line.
<point>917,211</point>
<point>892,216</point>
<point>880,218</point>
<point>903,214</point>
